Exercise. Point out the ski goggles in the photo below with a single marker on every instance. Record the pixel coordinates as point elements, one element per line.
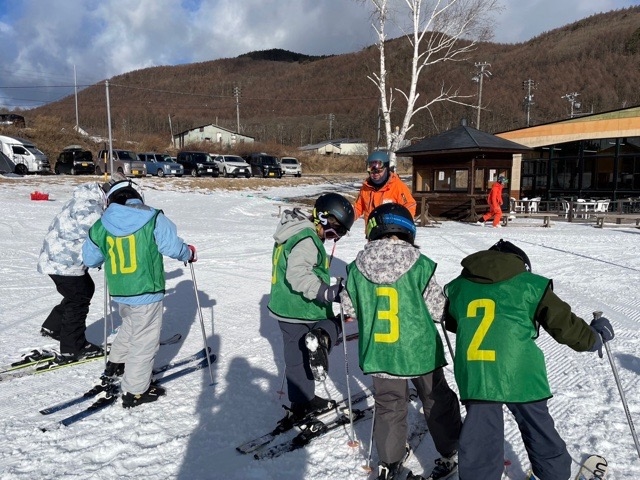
<point>334,230</point>
<point>377,166</point>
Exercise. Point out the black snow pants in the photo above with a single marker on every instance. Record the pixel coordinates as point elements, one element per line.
<point>68,319</point>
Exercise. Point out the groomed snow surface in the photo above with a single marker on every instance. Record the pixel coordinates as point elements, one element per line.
<point>191,433</point>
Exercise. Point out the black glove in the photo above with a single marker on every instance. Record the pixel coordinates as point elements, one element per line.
<point>329,293</point>
<point>603,331</point>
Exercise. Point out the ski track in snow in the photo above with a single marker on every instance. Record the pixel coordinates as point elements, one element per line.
<point>191,433</point>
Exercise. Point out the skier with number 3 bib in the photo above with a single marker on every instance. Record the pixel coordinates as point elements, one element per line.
<point>496,308</point>
<point>392,292</point>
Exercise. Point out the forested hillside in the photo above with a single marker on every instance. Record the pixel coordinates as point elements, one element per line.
<point>286,97</point>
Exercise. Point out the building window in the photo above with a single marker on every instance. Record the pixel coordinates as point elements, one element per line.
<point>451,180</point>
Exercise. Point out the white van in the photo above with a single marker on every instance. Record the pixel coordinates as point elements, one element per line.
<point>25,155</point>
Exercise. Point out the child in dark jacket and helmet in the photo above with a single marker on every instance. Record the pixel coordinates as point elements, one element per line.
<point>496,307</point>
<point>392,291</point>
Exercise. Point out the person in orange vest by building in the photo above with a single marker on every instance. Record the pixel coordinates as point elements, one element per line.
<point>494,199</point>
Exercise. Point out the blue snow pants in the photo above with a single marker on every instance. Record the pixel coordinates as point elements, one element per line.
<point>481,452</point>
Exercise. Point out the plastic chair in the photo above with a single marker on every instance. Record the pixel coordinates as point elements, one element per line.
<point>565,206</point>
<point>602,206</point>
<point>533,204</point>
<point>582,208</point>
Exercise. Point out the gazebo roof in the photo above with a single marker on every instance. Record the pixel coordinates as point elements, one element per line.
<point>461,139</point>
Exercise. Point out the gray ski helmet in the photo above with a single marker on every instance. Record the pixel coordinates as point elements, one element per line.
<point>391,218</point>
<point>379,156</point>
<point>335,205</point>
<point>122,191</point>
<point>508,247</point>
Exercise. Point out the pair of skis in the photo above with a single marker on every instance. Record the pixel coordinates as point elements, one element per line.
<point>44,360</point>
<point>182,367</point>
<point>311,426</point>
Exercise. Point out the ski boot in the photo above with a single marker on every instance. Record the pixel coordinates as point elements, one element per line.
<point>318,343</point>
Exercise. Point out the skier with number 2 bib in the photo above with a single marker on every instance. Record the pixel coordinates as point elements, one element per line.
<point>496,308</point>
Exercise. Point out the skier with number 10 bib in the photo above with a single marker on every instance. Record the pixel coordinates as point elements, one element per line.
<point>130,240</point>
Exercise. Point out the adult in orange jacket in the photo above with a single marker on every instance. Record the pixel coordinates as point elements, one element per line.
<point>494,199</point>
<point>382,186</point>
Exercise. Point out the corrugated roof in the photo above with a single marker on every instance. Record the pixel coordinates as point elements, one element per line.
<point>463,138</point>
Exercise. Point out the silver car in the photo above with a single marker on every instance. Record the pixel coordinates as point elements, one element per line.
<point>291,166</point>
<point>232,165</point>
<point>161,164</point>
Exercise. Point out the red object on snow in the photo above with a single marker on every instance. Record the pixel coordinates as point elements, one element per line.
<point>39,196</point>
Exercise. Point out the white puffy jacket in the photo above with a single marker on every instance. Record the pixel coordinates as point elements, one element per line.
<point>61,252</point>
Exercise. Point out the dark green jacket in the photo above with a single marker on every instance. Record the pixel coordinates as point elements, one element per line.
<point>553,314</point>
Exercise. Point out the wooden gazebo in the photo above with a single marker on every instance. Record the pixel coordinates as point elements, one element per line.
<point>454,171</point>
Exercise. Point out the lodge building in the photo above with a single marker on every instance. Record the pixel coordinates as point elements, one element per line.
<point>593,156</point>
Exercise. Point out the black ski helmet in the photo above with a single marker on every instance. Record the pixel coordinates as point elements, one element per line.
<point>122,191</point>
<point>336,206</point>
<point>508,247</point>
<point>391,218</point>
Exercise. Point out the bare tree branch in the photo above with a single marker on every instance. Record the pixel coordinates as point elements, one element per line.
<point>438,31</point>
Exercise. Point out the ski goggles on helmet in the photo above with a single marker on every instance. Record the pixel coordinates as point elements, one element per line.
<point>376,166</point>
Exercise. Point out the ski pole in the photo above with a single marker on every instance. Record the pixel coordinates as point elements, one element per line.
<point>281,391</point>
<point>204,335</point>
<point>106,303</point>
<point>597,315</point>
<point>332,252</point>
<point>446,337</point>
<point>352,440</point>
<point>367,468</point>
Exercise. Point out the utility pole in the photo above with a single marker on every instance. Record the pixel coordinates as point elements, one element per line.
<point>106,86</point>
<point>332,117</point>
<point>478,78</point>
<point>572,98</point>
<point>75,88</point>
<point>528,85</point>
<point>173,143</point>
<point>236,93</point>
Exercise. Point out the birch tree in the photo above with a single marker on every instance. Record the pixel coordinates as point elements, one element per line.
<point>438,31</point>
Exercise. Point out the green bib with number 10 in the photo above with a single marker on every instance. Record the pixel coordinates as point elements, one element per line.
<point>497,358</point>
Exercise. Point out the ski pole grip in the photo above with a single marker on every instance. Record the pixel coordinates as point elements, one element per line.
<point>597,314</point>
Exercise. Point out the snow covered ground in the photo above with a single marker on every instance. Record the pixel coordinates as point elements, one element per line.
<point>191,433</point>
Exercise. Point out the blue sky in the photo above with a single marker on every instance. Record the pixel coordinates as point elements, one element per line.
<point>42,40</point>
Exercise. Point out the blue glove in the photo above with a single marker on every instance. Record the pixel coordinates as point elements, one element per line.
<point>603,331</point>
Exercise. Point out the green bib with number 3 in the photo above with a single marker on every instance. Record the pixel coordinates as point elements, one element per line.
<point>397,335</point>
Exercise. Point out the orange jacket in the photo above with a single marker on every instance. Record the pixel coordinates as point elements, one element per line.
<point>494,199</point>
<point>392,191</point>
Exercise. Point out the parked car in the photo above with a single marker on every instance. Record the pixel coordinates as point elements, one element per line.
<point>160,164</point>
<point>197,164</point>
<point>27,157</point>
<point>74,160</point>
<point>264,165</point>
<point>232,165</point>
<point>291,166</point>
<point>124,161</point>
